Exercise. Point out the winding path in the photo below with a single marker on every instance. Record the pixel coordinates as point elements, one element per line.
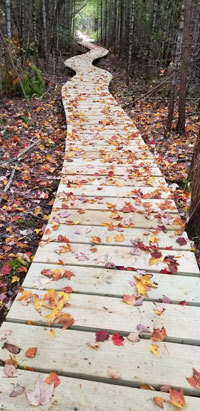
<point>113,220</point>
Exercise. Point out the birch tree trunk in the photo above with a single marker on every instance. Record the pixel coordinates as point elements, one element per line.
<point>180,128</point>
<point>35,29</point>
<point>176,72</point>
<point>44,21</point>
<point>131,32</point>
<point>22,20</point>
<point>8,19</point>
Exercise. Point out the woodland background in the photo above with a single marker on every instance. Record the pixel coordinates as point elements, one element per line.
<point>155,61</point>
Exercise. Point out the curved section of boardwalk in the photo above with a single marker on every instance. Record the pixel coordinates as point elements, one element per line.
<point>114,231</point>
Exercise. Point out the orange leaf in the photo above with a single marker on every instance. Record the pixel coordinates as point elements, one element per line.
<point>195,380</point>
<point>31,352</point>
<point>159,335</point>
<point>96,240</point>
<point>129,299</point>
<point>159,401</point>
<point>177,398</point>
<point>53,379</point>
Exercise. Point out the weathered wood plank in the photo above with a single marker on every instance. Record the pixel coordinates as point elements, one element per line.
<point>76,394</point>
<point>109,156</point>
<point>114,181</point>
<point>97,312</point>
<point>104,170</point>
<point>100,218</point>
<point>142,206</point>
<point>123,192</point>
<point>83,234</point>
<point>71,355</point>
<point>81,254</point>
<point>104,281</point>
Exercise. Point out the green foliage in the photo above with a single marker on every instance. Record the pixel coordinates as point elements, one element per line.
<point>31,78</point>
<point>85,20</point>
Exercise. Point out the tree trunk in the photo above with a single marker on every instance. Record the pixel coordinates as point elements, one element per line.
<point>130,40</point>
<point>8,19</point>
<point>23,21</point>
<point>1,86</point>
<point>180,128</point>
<point>176,73</point>
<point>194,221</point>
<point>44,20</point>
<point>35,29</point>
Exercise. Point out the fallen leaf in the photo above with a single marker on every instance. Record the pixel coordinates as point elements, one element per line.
<point>119,238</point>
<point>53,379</point>
<point>177,398</point>
<point>134,336</point>
<point>158,308</point>
<point>51,333</point>
<point>159,335</point>
<point>181,241</point>
<point>153,348</point>
<point>6,269</point>
<point>102,336</point>
<point>13,349</point>
<point>113,373</point>
<point>194,381</point>
<point>9,370</point>
<point>96,240</point>
<point>17,390</point>
<point>42,393</point>
<point>147,387</point>
<point>143,329</point>
<point>144,284</point>
<point>129,299</point>
<point>31,352</point>
<point>159,401</point>
<point>117,339</point>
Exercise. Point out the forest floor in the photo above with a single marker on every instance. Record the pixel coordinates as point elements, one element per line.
<point>28,185</point>
<point>173,154</point>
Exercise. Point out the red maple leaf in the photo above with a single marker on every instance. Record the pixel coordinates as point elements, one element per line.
<point>68,274</point>
<point>6,269</point>
<point>117,339</point>
<point>194,381</point>
<point>102,336</point>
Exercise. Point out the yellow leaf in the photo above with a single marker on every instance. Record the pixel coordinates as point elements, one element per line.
<point>37,230</point>
<point>153,348</point>
<point>14,279</point>
<point>38,211</point>
<point>119,238</point>
<point>108,239</point>
<point>51,333</point>
<point>37,302</point>
<point>153,239</point>
<point>154,261</point>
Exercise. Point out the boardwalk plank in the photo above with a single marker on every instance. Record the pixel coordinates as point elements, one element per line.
<point>97,312</point>
<point>76,394</point>
<point>71,355</point>
<point>99,218</point>
<point>83,234</point>
<point>81,254</point>
<point>104,281</point>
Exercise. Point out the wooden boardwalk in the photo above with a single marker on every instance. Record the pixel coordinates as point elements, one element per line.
<point>113,220</point>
